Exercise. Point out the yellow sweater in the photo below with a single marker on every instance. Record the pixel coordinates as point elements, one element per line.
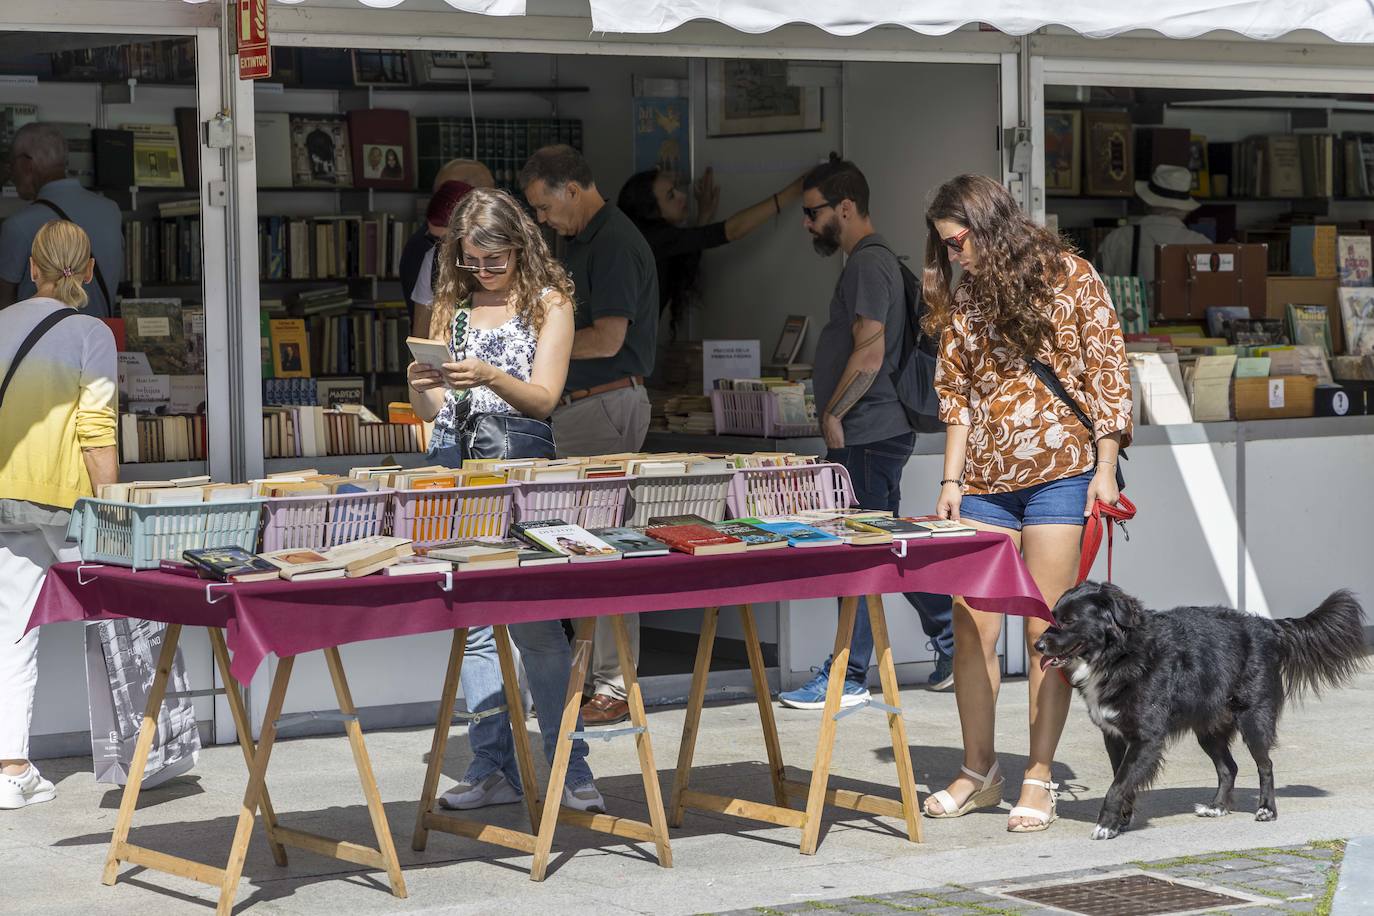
<point>61,400</point>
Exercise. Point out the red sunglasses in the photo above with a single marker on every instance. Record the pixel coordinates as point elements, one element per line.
<point>956,241</point>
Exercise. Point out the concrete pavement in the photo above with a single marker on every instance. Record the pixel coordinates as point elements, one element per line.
<point>51,855</point>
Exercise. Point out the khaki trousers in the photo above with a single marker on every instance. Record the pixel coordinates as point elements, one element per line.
<point>603,424</point>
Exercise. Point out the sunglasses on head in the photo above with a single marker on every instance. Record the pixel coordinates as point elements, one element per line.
<point>812,212</point>
<point>956,241</point>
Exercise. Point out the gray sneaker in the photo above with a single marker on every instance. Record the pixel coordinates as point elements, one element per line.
<point>584,798</point>
<point>496,789</point>
<point>942,678</point>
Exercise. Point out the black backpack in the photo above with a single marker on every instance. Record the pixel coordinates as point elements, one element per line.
<point>914,378</point>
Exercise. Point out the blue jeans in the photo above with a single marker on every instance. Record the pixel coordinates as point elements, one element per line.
<point>875,469</point>
<point>548,661</point>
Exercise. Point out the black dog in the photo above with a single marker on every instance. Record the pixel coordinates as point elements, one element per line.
<point>1147,677</point>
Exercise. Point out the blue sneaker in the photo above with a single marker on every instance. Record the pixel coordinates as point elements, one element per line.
<point>942,678</point>
<point>811,695</point>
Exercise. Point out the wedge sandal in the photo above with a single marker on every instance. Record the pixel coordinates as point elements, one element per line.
<point>987,795</point>
<point>1044,818</point>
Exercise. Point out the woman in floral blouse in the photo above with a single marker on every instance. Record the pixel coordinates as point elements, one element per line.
<point>1017,459</point>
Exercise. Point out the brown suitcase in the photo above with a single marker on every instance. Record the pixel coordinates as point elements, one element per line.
<point>1189,278</point>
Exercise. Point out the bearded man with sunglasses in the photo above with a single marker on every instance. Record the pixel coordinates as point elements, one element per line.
<point>864,425</point>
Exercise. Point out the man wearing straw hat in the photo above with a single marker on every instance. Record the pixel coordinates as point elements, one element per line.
<point>1130,250</point>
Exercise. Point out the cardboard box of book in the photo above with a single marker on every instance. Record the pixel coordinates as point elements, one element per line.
<point>1275,398</point>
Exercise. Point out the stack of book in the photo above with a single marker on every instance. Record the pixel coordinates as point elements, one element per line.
<point>313,431</point>
<point>178,491</point>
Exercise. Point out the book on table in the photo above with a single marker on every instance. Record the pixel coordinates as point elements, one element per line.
<point>698,540</point>
<point>632,542</point>
<point>471,554</point>
<point>301,564</point>
<point>661,521</point>
<point>850,534</point>
<point>353,559</point>
<point>754,537</point>
<point>229,564</point>
<point>418,566</point>
<point>799,535</point>
<point>943,527</point>
<point>901,529</point>
<point>574,541</point>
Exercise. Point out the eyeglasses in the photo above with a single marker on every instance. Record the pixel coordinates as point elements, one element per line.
<point>956,241</point>
<point>812,212</point>
<point>475,266</point>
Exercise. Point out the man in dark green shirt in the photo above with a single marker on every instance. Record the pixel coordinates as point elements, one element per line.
<point>605,409</point>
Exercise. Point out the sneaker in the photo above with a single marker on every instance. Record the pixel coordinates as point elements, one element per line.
<point>28,788</point>
<point>584,798</point>
<point>496,789</point>
<point>942,678</point>
<point>811,695</point>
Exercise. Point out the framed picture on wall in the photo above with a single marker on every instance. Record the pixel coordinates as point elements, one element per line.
<point>381,68</point>
<point>662,135</point>
<point>753,97</point>
<point>1063,142</point>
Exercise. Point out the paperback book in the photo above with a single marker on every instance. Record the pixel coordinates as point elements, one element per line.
<point>754,537</point>
<point>574,541</point>
<point>632,542</point>
<point>697,540</point>
<point>799,535</point>
<point>229,564</point>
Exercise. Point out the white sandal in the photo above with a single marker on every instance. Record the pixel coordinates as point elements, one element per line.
<point>988,795</point>
<point>1045,818</point>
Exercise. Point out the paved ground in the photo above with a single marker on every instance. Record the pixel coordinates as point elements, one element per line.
<point>51,855</point>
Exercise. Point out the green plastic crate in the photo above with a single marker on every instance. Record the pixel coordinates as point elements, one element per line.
<point>125,534</point>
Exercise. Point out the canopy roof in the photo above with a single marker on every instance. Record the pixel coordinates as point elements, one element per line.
<point>1342,20</point>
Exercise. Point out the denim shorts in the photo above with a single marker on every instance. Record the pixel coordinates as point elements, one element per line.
<point>1059,502</point>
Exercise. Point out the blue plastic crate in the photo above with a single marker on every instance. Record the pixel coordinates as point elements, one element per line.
<point>126,534</point>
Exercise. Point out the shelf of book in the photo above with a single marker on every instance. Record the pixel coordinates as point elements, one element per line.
<point>269,88</point>
<point>341,464</point>
<point>161,470</point>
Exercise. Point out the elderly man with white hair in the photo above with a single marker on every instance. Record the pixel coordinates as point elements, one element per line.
<point>38,165</point>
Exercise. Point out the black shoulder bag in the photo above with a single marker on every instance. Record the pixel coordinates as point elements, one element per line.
<point>99,277</point>
<point>914,378</point>
<point>39,330</point>
<point>1046,375</point>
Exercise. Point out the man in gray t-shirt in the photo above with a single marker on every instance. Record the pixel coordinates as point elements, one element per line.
<point>864,425</point>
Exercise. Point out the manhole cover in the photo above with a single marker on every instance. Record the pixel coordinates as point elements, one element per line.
<point>1133,895</point>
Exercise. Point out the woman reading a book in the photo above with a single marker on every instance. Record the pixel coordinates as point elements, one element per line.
<point>1018,460</point>
<point>57,439</point>
<point>503,305</point>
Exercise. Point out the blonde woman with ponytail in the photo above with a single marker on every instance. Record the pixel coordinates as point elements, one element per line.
<point>504,307</point>
<point>57,444</point>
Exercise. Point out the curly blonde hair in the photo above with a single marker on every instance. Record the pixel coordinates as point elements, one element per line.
<point>1020,265</point>
<point>491,220</point>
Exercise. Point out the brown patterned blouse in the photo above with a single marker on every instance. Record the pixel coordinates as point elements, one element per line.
<point>1022,435</point>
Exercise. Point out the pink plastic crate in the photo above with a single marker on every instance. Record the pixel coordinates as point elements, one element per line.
<point>754,413</point>
<point>324,521</point>
<point>756,492</point>
<point>430,516</point>
<point>598,503</point>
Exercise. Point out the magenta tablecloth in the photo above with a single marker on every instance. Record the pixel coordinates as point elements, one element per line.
<point>290,618</point>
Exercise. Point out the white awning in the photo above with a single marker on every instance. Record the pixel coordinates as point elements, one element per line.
<point>486,7</point>
<point>1342,20</point>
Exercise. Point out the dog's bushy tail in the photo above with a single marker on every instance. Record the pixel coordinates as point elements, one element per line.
<point>1324,649</point>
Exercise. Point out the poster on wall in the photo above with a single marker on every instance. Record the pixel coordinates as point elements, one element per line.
<point>1063,140</point>
<point>753,97</point>
<point>662,135</point>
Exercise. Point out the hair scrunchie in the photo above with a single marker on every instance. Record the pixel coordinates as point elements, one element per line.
<point>67,271</point>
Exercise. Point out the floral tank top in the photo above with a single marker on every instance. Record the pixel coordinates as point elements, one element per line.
<point>509,347</point>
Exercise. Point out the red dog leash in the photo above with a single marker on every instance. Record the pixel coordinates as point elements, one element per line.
<point>1103,516</point>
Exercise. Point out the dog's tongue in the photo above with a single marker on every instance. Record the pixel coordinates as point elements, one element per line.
<point>1045,661</point>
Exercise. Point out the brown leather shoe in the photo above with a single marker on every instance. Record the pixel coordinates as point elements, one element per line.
<point>604,710</point>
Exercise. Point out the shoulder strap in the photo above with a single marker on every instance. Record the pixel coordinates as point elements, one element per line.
<point>1135,249</point>
<point>1046,375</point>
<point>39,330</point>
<point>99,277</point>
<point>911,327</point>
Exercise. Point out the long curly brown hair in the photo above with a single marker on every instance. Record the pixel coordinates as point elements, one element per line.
<point>492,221</point>
<point>1020,265</point>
